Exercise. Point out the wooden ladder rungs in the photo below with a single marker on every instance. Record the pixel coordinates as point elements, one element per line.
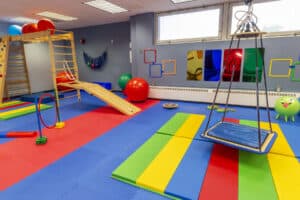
<point>62,69</point>
<point>67,90</point>
<point>62,61</point>
<point>63,54</point>
<point>16,55</point>
<point>62,46</point>
<point>15,82</point>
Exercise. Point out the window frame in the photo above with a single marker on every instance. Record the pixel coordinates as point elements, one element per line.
<point>225,20</point>
<point>189,40</point>
<point>268,34</point>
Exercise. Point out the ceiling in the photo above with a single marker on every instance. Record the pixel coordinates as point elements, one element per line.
<point>89,16</point>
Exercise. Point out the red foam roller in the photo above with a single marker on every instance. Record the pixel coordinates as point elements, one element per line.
<point>20,134</point>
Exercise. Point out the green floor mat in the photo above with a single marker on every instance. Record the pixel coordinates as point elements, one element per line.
<point>21,111</point>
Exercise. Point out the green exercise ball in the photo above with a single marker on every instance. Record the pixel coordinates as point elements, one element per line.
<point>123,79</point>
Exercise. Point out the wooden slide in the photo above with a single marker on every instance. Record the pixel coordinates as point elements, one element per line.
<point>105,95</point>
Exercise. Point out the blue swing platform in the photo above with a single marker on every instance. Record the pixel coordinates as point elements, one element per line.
<point>241,137</point>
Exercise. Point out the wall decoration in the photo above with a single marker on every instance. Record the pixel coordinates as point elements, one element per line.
<point>294,72</point>
<point>150,56</point>
<point>194,65</point>
<point>282,64</point>
<point>212,65</point>
<point>82,41</point>
<point>95,63</point>
<point>155,70</point>
<point>232,61</point>
<point>249,70</point>
<point>166,65</point>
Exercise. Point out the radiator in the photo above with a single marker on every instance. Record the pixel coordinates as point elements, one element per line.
<point>206,95</point>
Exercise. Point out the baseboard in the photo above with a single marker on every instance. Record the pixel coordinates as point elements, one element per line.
<point>206,95</point>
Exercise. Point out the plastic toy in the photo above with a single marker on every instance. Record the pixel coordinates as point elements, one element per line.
<point>62,77</point>
<point>40,139</point>
<point>287,107</point>
<point>30,28</point>
<point>58,123</point>
<point>46,24</point>
<point>170,105</point>
<point>212,107</point>
<point>219,109</point>
<point>18,134</point>
<point>137,89</point>
<point>14,30</point>
<point>123,80</point>
<point>225,110</point>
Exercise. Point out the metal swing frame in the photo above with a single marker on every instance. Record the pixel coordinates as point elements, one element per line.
<point>246,29</point>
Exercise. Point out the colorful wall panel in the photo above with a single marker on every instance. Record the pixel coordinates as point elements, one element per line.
<point>212,65</point>
<point>232,64</point>
<point>252,57</point>
<point>194,65</point>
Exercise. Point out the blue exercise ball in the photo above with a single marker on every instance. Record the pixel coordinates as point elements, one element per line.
<point>14,30</point>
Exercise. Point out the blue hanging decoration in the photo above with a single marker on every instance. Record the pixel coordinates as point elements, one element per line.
<point>95,63</point>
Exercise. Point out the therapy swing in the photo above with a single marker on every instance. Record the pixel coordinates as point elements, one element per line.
<point>238,136</point>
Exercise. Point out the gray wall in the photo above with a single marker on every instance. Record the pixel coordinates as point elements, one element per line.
<point>3,29</point>
<point>114,37</point>
<point>142,37</point>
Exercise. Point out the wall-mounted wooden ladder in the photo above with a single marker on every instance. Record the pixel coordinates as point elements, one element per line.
<point>63,62</point>
<point>17,78</point>
<point>4,48</point>
<point>14,78</point>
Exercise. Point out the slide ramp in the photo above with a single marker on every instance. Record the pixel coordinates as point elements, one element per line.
<point>105,95</point>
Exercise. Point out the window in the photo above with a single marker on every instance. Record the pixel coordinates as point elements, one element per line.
<point>188,25</point>
<point>276,17</point>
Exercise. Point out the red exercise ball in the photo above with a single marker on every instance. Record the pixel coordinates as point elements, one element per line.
<point>30,28</point>
<point>137,89</point>
<point>46,24</point>
<point>62,77</point>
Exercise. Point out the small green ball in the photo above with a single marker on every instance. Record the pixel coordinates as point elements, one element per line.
<point>123,80</point>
